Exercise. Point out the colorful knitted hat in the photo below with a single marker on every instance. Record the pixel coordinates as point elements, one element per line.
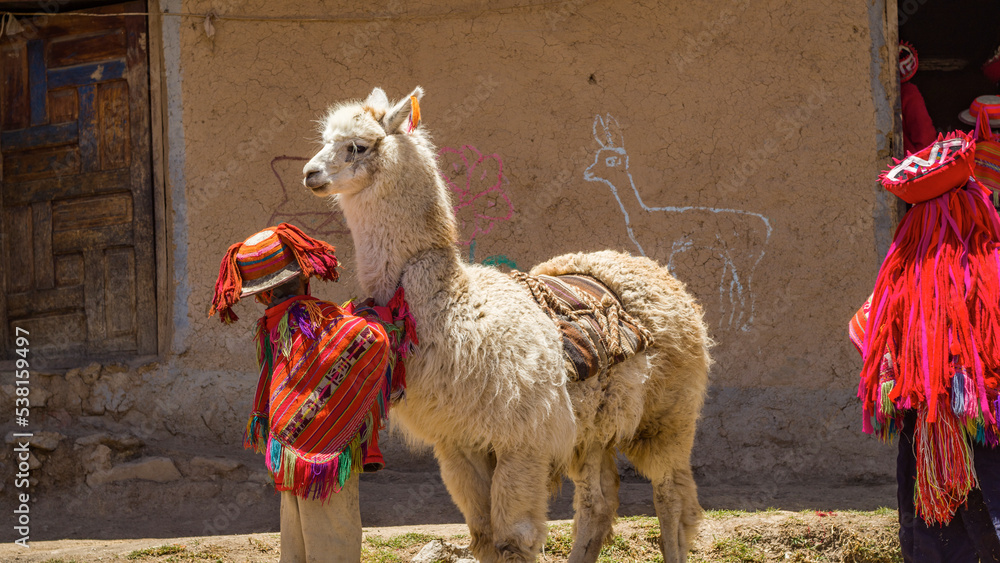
<point>988,104</point>
<point>266,260</point>
<point>907,61</point>
<point>943,165</point>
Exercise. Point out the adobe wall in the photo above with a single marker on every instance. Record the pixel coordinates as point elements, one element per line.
<point>771,116</point>
<point>766,109</point>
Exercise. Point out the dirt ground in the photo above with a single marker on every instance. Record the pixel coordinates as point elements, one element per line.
<point>725,536</point>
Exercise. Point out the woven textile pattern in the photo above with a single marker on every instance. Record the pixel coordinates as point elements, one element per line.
<point>597,332</point>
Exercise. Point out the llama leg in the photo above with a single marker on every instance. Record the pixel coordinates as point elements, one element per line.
<point>676,499</point>
<point>519,503</point>
<point>595,501</point>
<point>662,452</point>
<point>467,475</point>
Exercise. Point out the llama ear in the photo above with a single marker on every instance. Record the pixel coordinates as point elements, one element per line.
<point>601,132</point>
<point>614,132</point>
<point>378,100</point>
<point>406,109</point>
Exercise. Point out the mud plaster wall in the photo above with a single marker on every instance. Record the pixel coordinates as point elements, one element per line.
<point>761,112</point>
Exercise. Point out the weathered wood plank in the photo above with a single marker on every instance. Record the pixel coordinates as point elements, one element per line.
<point>157,102</point>
<point>51,28</point>
<point>138,98</point>
<point>34,303</point>
<point>120,283</point>
<point>76,50</point>
<point>5,341</point>
<point>94,293</point>
<point>23,193</point>
<point>16,107</point>
<point>85,74</point>
<point>17,231</point>
<point>90,142</point>
<point>37,82</point>
<point>91,212</point>
<point>38,136</point>
<point>69,269</point>
<point>114,119</point>
<point>41,239</point>
<point>63,106</point>
<point>39,164</point>
<point>81,240</point>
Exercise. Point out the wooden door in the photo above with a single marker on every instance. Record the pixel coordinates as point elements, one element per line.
<point>76,196</point>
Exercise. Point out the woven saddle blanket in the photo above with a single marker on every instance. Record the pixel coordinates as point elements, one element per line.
<point>597,332</point>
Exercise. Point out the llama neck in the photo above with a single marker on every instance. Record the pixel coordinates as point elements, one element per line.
<point>396,221</point>
<point>627,195</point>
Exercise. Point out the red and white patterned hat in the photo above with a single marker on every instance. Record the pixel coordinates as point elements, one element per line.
<point>940,167</point>
<point>907,61</point>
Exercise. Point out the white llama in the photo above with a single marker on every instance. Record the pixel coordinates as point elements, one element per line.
<point>715,251</point>
<point>488,385</point>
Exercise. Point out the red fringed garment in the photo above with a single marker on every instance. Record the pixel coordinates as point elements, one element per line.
<point>931,341</point>
<point>325,385</point>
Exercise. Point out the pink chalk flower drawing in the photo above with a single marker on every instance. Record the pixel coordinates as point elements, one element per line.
<point>476,182</point>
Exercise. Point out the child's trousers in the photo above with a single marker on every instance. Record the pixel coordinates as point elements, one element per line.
<point>327,531</point>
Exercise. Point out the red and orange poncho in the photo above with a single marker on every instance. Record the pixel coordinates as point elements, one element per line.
<point>327,376</point>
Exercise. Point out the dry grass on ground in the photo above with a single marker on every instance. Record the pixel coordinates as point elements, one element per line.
<point>726,537</point>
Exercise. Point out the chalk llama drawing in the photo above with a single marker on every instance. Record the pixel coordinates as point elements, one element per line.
<point>692,240</point>
<point>476,183</point>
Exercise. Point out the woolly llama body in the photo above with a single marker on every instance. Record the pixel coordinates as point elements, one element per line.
<point>488,386</point>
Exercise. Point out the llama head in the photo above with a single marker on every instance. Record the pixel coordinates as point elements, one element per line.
<point>355,136</point>
<point>610,160</point>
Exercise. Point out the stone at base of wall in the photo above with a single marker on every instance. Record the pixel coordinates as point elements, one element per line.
<point>159,469</point>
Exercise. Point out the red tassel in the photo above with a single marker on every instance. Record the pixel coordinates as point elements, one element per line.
<point>315,257</point>
<point>228,287</point>
<point>934,305</point>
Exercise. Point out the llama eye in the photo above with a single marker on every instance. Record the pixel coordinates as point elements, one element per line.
<point>611,161</point>
<point>354,150</point>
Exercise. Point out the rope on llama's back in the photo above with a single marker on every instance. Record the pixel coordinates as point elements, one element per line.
<point>488,386</point>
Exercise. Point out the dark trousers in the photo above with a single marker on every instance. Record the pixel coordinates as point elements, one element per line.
<point>973,534</point>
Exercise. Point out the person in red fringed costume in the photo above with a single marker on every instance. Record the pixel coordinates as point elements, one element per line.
<point>327,377</point>
<point>930,341</point>
<point>918,129</point>
<point>991,68</point>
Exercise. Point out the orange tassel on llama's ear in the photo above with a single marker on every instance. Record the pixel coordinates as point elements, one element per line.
<point>228,287</point>
<point>414,115</point>
<point>315,257</point>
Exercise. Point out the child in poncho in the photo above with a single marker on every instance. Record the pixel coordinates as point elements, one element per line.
<point>930,339</point>
<point>327,376</point>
